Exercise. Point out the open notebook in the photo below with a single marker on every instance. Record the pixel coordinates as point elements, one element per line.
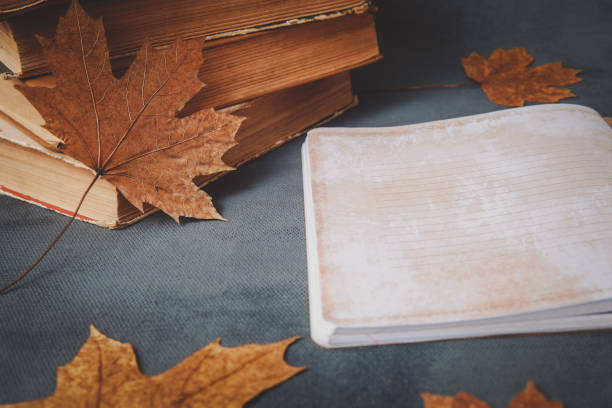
<point>490,224</point>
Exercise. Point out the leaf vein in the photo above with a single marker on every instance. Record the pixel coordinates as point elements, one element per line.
<point>127,99</point>
<point>144,74</point>
<point>139,114</point>
<point>100,71</point>
<point>93,46</point>
<point>103,96</point>
<point>93,99</point>
<point>169,146</point>
<point>188,396</point>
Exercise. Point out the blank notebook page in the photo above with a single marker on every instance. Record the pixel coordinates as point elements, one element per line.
<point>469,218</point>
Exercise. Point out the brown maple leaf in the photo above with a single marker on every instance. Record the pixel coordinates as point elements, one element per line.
<point>530,397</point>
<point>126,129</point>
<point>507,79</point>
<point>105,374</point>
<point>461,400</point>
<point>609,120</point>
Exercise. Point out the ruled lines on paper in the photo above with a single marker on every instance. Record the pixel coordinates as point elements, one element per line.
<point>470,218</point>
<point>460,204</point>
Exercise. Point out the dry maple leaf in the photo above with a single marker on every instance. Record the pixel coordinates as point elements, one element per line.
<point>530,397</point>
<point>105,374</point>
<point>461,400</point>
<point>609,120</point>
<point>126,129</point>
<point>507,79</point>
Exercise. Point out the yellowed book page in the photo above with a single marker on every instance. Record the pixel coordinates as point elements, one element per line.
<point>52,181</point>
<point>469,218</point>
<point>15,106</point>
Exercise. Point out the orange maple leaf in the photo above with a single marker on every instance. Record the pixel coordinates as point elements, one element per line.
<point>105,373</point>
<point>125,129</point>
<point>609,120</point>
<point>507,79</point>
<point>530,397</point>
<point>461,400</point>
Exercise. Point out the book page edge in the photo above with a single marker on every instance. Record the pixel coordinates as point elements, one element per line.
<point>381,130</point>
<point>544,326</point>
<point>321,330</point>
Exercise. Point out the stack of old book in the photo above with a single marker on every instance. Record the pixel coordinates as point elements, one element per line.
<point>283,64</point>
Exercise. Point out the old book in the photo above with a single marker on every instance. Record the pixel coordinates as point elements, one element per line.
<point>222,23</point>
<point>491,224</point>
<point>283,58</point>
<point>42,176</point>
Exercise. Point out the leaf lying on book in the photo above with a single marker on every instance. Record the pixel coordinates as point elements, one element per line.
<point>530,397</point>
<point>105,373</point>
<point>126,129</point>
<point>507,79</point>
<point>609,120</point>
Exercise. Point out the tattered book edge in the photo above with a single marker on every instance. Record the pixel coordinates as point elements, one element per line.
<point>362,8</point>
<point>122,223</point>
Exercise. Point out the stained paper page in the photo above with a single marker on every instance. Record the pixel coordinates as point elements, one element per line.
<point>475,217</point>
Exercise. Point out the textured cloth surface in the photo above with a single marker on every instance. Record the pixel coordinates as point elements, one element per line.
<point>170,289</point>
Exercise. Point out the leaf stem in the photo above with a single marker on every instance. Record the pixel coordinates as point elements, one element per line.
<point>52,244</point>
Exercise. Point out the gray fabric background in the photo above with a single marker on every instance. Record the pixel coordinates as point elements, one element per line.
<point>170,289</point>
